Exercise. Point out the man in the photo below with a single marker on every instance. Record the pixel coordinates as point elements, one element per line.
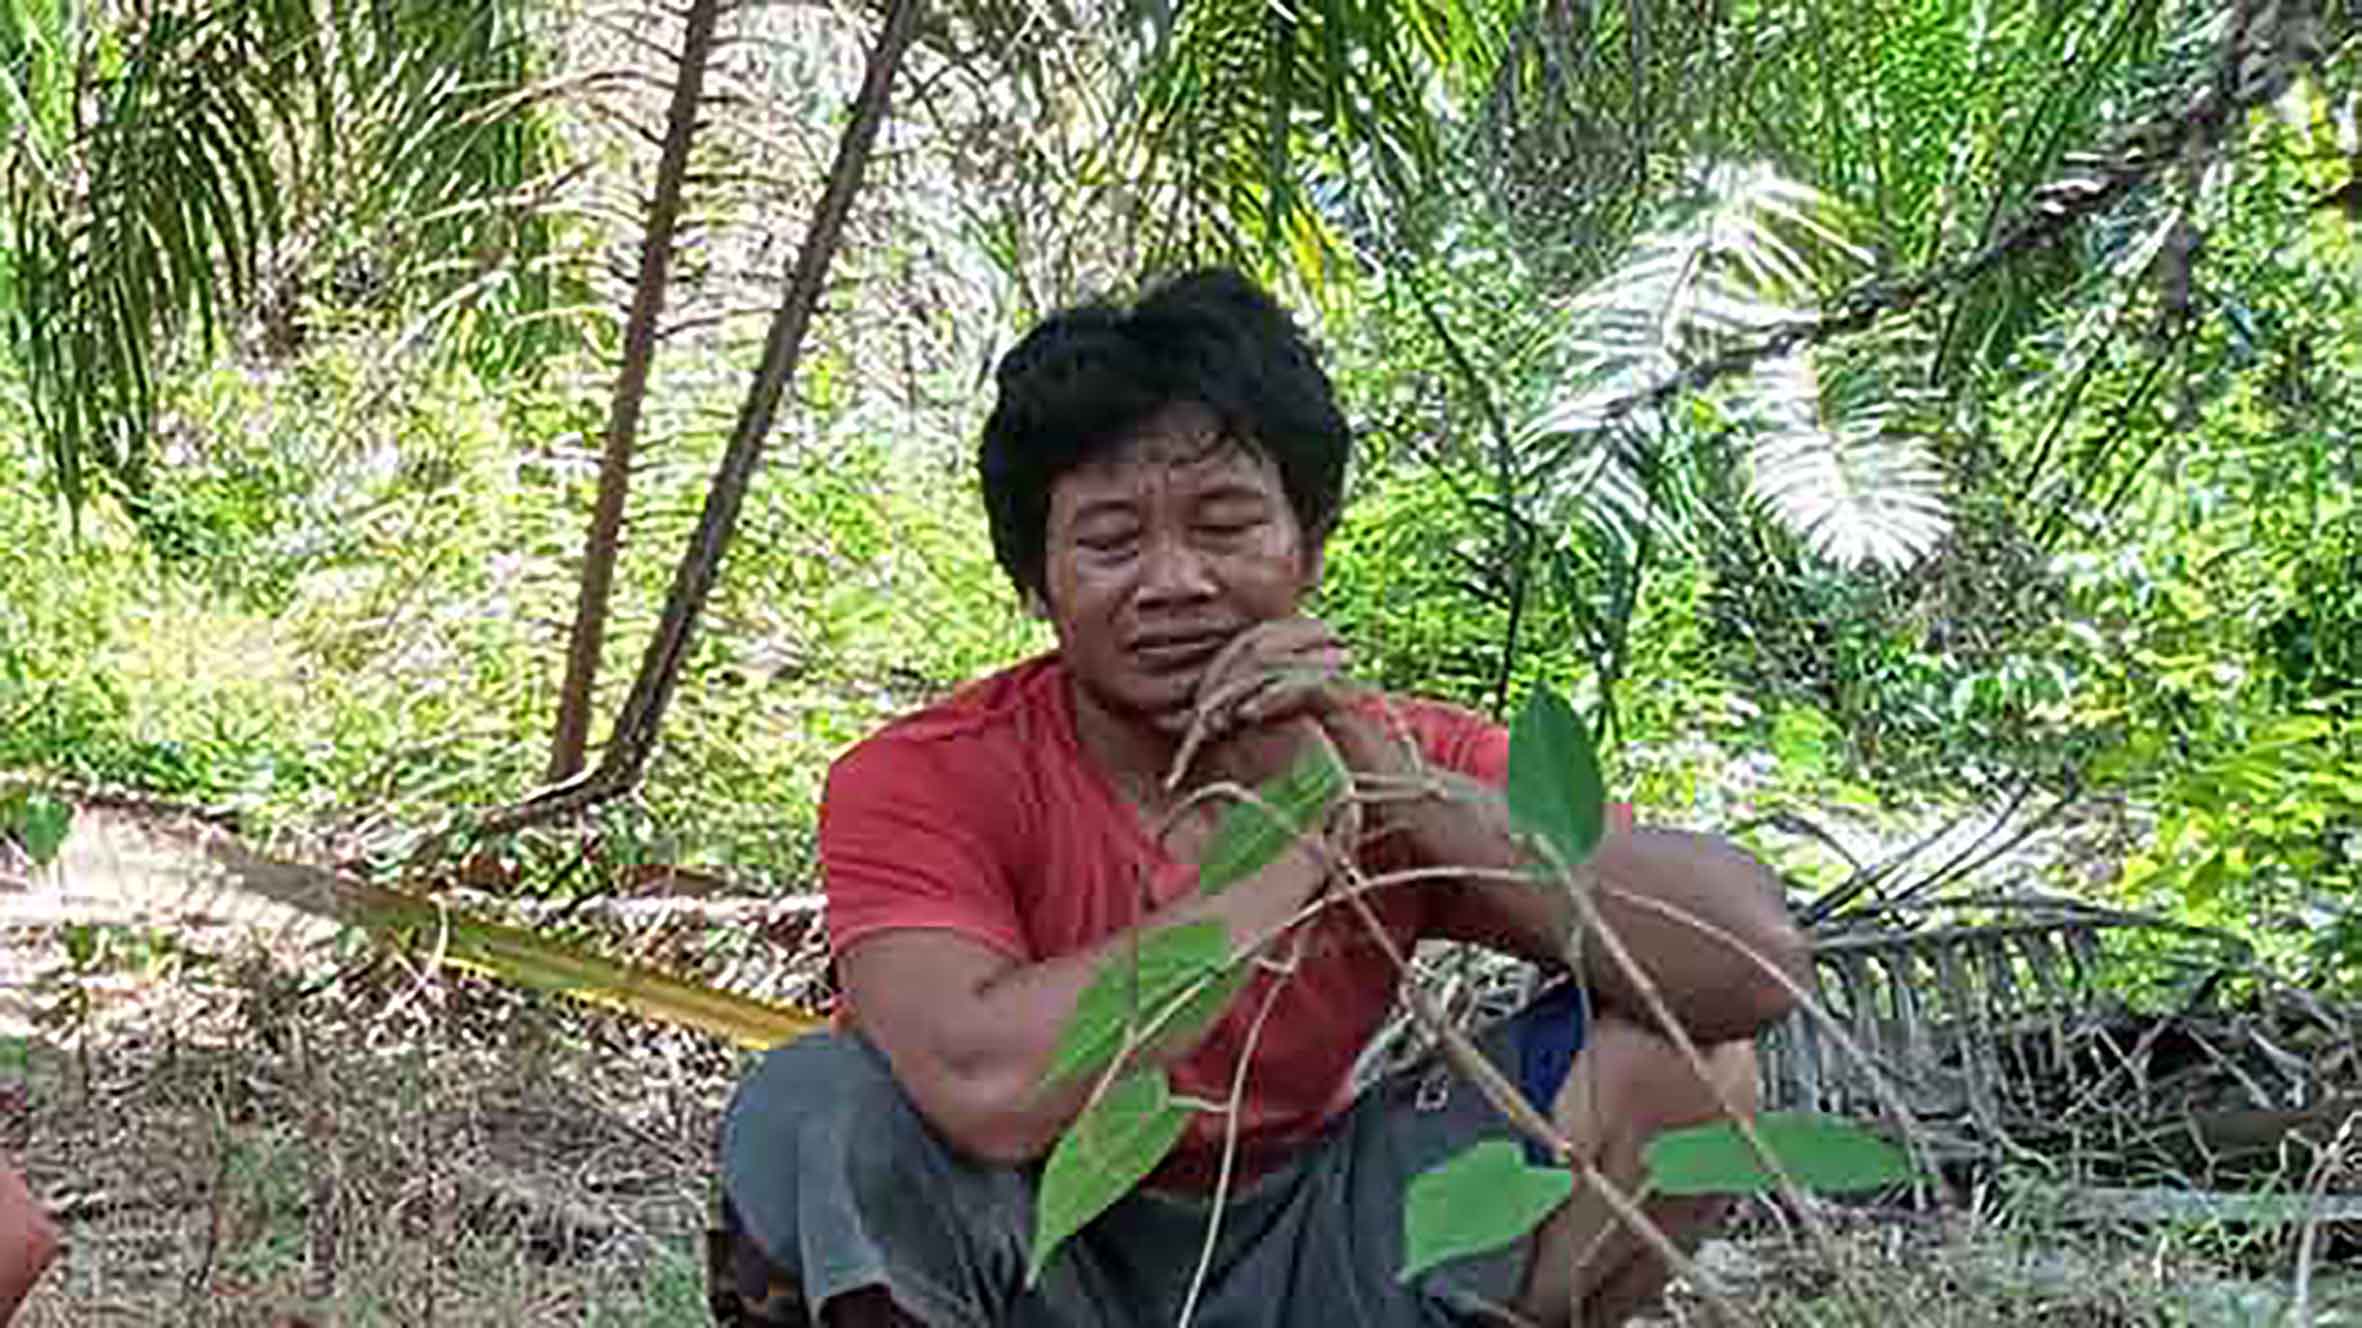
<point>1160,481</point>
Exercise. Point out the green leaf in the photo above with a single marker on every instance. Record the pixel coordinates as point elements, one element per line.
<point>1820,1153</point>
<point>82,943</point>
<point>39,822</point>
<point>1133,987</point>
<point>1487,1196</point>
<point>1555,789</point>
<point>2205,885</point>
<point>1249,838</point>
<point>1102,1155</point>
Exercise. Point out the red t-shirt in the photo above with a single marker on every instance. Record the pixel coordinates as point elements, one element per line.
<point>982,815</point>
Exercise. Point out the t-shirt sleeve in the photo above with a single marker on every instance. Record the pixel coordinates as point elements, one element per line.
<point>1469,744</point>
<point>910,839</point>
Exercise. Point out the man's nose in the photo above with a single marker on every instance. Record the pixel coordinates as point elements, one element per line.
<point>1171,569</point>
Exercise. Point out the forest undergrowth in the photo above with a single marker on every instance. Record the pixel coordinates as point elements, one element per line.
<point>2041,589</point>
<point>245,1115</point>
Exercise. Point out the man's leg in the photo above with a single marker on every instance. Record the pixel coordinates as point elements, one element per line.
<point>1627,1086</point>
<point>841,1205</point>
<point>745,1288</point>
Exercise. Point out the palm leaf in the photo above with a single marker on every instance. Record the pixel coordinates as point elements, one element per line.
<point>140,245</point>
<point>1837,461</point>
<point>442,171</point>
<point>1835,439</point>
<point>203,121</point>
<point>1274,132</point>
<point>1589,117</point>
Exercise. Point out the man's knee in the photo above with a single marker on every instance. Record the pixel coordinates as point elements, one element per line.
<point>28,1239</point>
<point>824,1099</point>
<point>1641,1083</point>
<point>828,1165</point>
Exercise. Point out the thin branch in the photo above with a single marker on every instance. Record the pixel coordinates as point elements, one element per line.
<point>1596,925</point>
<point>634,738</point>
<point>1223,1174</point>
<point>1463,1056</point>
<point>631,391</point>
<point>2331,1162</point>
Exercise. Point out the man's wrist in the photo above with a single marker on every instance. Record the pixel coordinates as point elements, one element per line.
<point>1375,755</point>
<point>1364,743</point>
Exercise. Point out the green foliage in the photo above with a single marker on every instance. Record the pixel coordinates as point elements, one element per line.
<point>1818,1154</point>
<point>441,146</point>
<point>2260,837</point>
<point>1250,118</point>
<point>1133,992</point>
<point>178,204</point>
<point>1481,1199</point>
<point>1108,1149</point>
<point>1253,834</point>
<point>38,822</point>
<point>1398,586</point>
<point>361,597</point>
<point>1555,791</point>
<point>144,207</point>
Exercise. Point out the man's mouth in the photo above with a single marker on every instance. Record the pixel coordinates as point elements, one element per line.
<point>1175,651</point>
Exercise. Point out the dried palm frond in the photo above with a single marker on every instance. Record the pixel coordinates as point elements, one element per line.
<point>165,866</point>
<point>1984,1011</point>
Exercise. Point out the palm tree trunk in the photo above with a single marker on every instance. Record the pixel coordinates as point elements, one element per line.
<point>634,737</point>
<point>631,389</point>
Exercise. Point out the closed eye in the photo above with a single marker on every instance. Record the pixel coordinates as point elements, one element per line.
<point>1231,517</point>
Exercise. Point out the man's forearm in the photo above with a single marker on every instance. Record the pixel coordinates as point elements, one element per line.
<point>1705,921</point>
<point>977,1072</point>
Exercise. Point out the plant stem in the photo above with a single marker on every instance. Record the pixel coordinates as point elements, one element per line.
<point>631,390</point>
<point>634,738</point>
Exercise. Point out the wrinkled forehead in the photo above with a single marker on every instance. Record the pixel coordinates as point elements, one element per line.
<point>1182,447</point>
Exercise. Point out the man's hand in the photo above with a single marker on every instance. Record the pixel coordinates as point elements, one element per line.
<point>1260,700</point>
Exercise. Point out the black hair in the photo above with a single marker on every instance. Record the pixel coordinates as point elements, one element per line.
<point>1087,376</point>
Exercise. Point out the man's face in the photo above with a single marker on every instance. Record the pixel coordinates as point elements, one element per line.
<point>1161,551</point>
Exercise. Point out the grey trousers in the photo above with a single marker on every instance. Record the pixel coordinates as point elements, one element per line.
<point>841,1183</point>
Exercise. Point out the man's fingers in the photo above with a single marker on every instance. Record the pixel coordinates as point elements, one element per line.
<point>1278,696</point>
<point>1305,641</point>
<point>1222,670</point>
<point>1282,642</point>
<point>1307,692</point>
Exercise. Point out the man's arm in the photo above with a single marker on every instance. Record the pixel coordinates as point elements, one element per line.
<point>1653,880</point>
<point>970,1031</point>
